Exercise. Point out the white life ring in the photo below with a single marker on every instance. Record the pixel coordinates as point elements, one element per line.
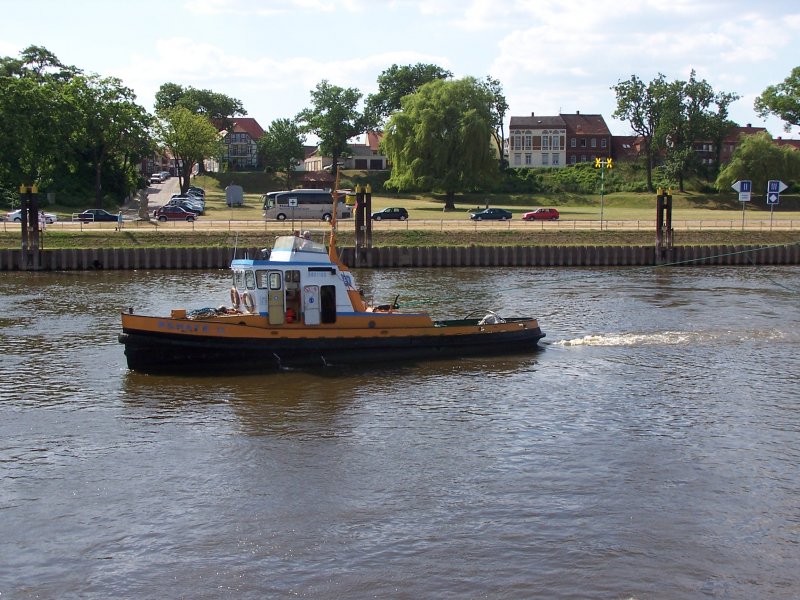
<point>249,303</point>
<point>236,301</point>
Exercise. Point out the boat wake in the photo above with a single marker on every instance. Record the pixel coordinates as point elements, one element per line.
<point>664,338</point>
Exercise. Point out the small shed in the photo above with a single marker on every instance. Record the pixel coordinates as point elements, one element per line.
<point>234,195</point>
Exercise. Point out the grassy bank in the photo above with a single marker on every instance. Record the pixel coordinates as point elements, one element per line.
<point>108,238</point>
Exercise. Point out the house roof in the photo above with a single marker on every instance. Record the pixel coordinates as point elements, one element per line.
<point>534,122</point>
<point>249,126</point>
<point>374,140</point>
<point>736,132</point>
<point>579,124</point>
<point>782,142</point>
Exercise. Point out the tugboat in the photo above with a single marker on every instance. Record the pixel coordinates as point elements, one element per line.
<point>298,306</point>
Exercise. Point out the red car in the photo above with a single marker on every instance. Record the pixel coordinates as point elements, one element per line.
<point>173,213</point>
<point>541,214</point>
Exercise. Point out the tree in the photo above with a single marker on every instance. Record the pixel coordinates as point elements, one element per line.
<point>782,100</point>
<point>395,83</point>
<point>213,105</point>
<point>441,139</point>
<point>643,106</point>
<point>107,124</point>
<point>282,146</point>
<point>189,137</point>
<point>759,159</point>
<point>692,112</point>
<point>499,109</point>
<point>334,119</point>
<point>32,116</point>
<point>218,108</point>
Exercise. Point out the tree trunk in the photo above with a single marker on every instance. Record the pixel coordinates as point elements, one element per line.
<point>450,201</point>
<point>98,185</point>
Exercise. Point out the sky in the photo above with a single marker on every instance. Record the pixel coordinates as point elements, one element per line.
<point>550,56</point>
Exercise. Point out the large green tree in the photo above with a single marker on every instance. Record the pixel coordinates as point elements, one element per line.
<point>782,100</point>
<point>334,118</point>
<point>66,130</point>
<point>107,126</point>
<point>395,83</point>
<point>281,147</point>
<point>189,137</point>
<point>693,112</point>
<point>32,116</point>
<point>643,106</point>
<point>758,159</point>
<point>441,139</point>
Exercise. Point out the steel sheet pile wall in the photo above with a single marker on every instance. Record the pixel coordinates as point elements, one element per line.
<point>440,256</point>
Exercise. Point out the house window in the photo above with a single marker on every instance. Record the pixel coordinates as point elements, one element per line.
<point>517,142</point>
<point>603,143</point>
<point>527,140</point>
<point>573,159</point>
<point>545,157</point>
<point>583,142</point>
<point>594,142</point>
<point>556,160</point>
<point>528,159</point>
<point>545,142</point>
<point>573,142</point>
<point>517,159</point>
<point>583,158</point>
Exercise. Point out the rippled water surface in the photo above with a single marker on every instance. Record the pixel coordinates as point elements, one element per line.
<point>650,449</point>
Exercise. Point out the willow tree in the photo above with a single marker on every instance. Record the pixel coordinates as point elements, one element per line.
<point>441,138</point>
<point>759,159</point>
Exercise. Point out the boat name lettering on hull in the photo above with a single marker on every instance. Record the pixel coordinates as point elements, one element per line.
<point>189,327</point>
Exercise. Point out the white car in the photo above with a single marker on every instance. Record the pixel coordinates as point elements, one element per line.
<point>17,216</point>
<point>156,178</point>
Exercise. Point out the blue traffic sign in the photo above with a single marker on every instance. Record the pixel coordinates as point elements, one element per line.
<point>774,189</point>
<point>744,187</point>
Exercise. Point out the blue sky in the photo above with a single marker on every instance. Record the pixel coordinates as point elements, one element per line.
<point>550,56</point>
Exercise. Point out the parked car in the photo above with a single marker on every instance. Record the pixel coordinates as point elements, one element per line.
<point>17,216</point>
<point>197,190</point>
<point>541,214</point>
<point>94,215</point>
<point>165,175</point>
<point>189,203</point>
<point>156,178</point>
<point>173,213</point>
<point>400,214</point>
<point>491,214</point>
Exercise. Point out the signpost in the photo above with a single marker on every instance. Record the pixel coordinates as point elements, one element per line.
<point>602,164</point>
<point>774,189</point>
<point>745,189</point>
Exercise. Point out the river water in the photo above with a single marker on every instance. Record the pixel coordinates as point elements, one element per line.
<point>649,450</point>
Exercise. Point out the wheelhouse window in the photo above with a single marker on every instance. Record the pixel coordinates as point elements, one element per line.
<point>250,280</point>
<point>275,280</point>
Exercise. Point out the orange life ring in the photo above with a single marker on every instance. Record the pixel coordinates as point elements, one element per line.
<point>248,302</point>
<point>235,299</point>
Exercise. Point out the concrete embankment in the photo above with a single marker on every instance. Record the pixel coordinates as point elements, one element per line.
<point>472,256</point>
